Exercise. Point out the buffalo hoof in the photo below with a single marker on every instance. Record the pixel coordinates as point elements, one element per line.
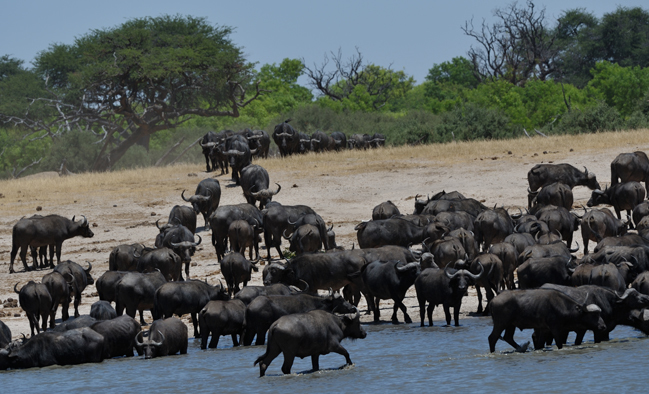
<point>395,321</point>
<point>408,320</point>
<point>11,271</point>
<point>523,348</point>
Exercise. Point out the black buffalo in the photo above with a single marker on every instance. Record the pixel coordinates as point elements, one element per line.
<point>171,337</point>
<point>236,269</point>
<point>178,298</point>
<point>309,334</point>
<point>544,309</point>
<point>122,257</point>
<point>249,293</point>
<point>389,280</point>
<point>136,292</point>
<point>443,286</point>
<point>224,216</point>
<point>164,260</point>
<point>35,300</point>
<point>264,310</point>
<point>598,224</point>
<point>385,210</point>
<point>102,310</point>
<point>622,196</point>
<point>78,346</point>
<point>255,184</point>
<point>82,279</point>
<point>205,200</point>
<point>286,138</point>
<point>222,318</point>
<point>119,335</point>
<point>545,174</point>
<point>61,289</point>
<point>43,231</point>
<point>627,167</point>
<point>242,235</point>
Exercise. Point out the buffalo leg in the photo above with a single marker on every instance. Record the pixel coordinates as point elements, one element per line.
<point>377,311</point>
<point>477,290</point>
<point>142,322</point>
<point>337,348</point>
<point>14,251</point>
<point>195,323</point>
<point>264,361</point>
<point>235,342</point>
<point>431,308</point>
<point>77,301</point>
<point>34,253</point>
<point>493,337</point>
<point>288,363</point>
<point>248,336</point>
<point>422,310</point>
<point>315,362</point>
<point>23,257</point>
<point>403,308</point>
<point>580,337</point>
<point>52,251</point>
<point>205,332</point>
<point>509,338</point>
<point>58,252</point>
<point>586,239</point>
<point>214,342</point>
<point>261,337</point>
<point>44,316</point>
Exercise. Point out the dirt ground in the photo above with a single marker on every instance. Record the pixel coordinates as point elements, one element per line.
<point>343,201</point>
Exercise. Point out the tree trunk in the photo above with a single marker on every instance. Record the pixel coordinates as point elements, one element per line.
<point>107,160</point>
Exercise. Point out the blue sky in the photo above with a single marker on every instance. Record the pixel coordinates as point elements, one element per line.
<point>409,35</point>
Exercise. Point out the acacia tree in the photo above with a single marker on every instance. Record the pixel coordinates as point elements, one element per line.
<point>517,47</point>
<point>149,74</point>
<point>353,80</point>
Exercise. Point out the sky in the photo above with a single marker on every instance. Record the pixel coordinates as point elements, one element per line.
<point>407,35</point>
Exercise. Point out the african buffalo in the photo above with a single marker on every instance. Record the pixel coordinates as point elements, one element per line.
<point>545,309</point>
<point>178,298</point>
<point>236,269</point>
<point>205,200</point>
<point>385,210</point>
<point>622,196</point>
<point>598,224</point>
<point>255,184</point>
<point>36,301</point>
<point>78,346</point>
<point>82,279</point>
<point>44,231</point>
<point>172,338</point>
<point>389,280</point>
<point>545,174</point>
<point>309,334</point>
<point>122,257</point>
<point>119,335</point>
<point>61,289</point>
<point>136,292</point>
<point>222,318</point>
<point>286,138</point>
<point>628,167</point>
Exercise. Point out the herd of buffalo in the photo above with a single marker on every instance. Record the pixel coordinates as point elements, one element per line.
<point>524,261</point>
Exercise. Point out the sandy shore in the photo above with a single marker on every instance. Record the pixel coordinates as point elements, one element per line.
<point>343,201</point>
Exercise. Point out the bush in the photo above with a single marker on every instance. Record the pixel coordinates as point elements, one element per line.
<point>472,122</point>
<point>600,117</point>
<point>77,148</point>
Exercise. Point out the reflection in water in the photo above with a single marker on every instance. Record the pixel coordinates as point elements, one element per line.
<point>405,357</point>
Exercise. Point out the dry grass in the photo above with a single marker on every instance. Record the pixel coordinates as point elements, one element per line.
<point>142,185</point>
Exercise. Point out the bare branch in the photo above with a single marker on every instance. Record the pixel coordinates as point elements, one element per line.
<point>16,175</point>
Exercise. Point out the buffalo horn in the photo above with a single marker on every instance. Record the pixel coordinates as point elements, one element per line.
<point>161,340</point>
<point>137,340</point>
<point>598,191</point>
<point>199,240</point>
<point>89,267</point>
<point>476,276</point>
<point>157,224</point>
<point>16,291</point>
<point>626,294</point>
<point>576,249</point>
<point>67,274</point>
<point>183,196</point>
<point>448,274</point>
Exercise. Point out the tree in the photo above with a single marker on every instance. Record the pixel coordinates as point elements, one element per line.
<point>625,36</point>
<point>458,71</point>
<point>126,83</point>
<point>518,47</point>
<point>578,36</point>
<point>358,86</point>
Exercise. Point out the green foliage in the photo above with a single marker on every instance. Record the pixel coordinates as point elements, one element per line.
<point>625,36</point>
<point>620,87</point>
<point>16,152</point>
<point>473,122</point>
<point>375,88</point>
<point>459,71</point>
<point>18,86</point>
<point>591,119</point>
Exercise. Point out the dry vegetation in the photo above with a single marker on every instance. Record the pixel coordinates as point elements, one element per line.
<point>139,185</point>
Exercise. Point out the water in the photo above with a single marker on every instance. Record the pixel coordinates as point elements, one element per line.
<point>405,357</point>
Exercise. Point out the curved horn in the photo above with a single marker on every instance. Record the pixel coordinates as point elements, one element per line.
<point>67,274</point>
<point>598,191</point>
<point>89,267</point>
<point>330,228</point>
<point>254,151</point>
<point>574,250</point>
<point>84,222</point>
<point>476,276</point>
<point>586,170</point>
<point>137,341</point>
<point>279,187</point>
<point>161,340</point>
<point>183,196</point>
<point>157,224</point>
<point>626,294</point>
<point>17,291</point>
<point>306,285</point>
<point>199,240</point>
<point>448,274</point>
<point>286,237</point>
